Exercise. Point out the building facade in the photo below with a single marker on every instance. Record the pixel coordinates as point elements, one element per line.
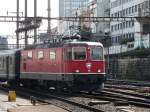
<point>124,32</point>
<point>67,8</point>
<point>103,10</point>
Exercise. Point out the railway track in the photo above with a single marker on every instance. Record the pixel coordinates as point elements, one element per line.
<point>66,100</point>
<point>50,98</point>
<point>141,89</point>
<point>128,82</point>
<point>122,97</point>
<point>127,93</point>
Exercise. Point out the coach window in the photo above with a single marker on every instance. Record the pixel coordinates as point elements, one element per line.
<point>40,55</point>
<point>96,53</point>
<point>3,63</point>
<point>52,55</point>
<point>29,54</point>
<point>79,53</point>
<point>10,59</point>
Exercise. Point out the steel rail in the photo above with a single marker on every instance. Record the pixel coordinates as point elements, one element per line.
<point>65,100</point>
<point>116,98</point>
<point>127,93</point>
<point>39,96</point>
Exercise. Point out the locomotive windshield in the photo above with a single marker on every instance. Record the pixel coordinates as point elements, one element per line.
<point>76,53</point>
<point>79,53</point>
<point>96,53</point>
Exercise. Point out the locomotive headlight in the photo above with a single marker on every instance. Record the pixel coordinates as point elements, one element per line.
<point>77,71</point>
<point>98,70</point>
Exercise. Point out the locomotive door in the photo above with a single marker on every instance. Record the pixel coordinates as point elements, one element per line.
<point>64,65</point>
<point>24,64</point>
<point>7,67</point>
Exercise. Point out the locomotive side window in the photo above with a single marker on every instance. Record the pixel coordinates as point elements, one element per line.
<point>52,55</point>
<point>40,55</point>
<point>29,54</point>
<point>79,53</point>
<point>96,53</point>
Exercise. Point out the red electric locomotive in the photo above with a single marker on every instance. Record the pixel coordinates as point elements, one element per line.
<point>75,65</point>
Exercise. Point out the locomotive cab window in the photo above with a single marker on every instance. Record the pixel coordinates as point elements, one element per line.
<point>79,53</point>
<point>96,53</point>
<point>52,55</point>
<point>40,55</point>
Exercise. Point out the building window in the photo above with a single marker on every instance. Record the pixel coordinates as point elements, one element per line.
<point>132,9</point>
<point>40,55</point>
<point>120,25</point>
<point>135,8</point>
<point>52,55</point>
<point>132,35</point>
<point>123,13</point>
<point>29,54</point>
<point>127,24</point>
<point>111,28</point>
<point>127,11</point>
<point>123,25</point>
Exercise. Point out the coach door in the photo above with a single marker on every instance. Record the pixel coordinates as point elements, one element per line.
<point>7,67</point>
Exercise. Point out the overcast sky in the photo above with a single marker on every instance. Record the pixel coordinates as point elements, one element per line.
<point>10,6</point>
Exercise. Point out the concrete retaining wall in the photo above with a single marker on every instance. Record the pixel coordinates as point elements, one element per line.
<point>134,69</point>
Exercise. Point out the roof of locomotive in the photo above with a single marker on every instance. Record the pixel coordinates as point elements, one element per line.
<point>61,44</point>
<point>86,43</point>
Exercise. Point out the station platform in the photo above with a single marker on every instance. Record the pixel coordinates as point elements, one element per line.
<point>24,105</point>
